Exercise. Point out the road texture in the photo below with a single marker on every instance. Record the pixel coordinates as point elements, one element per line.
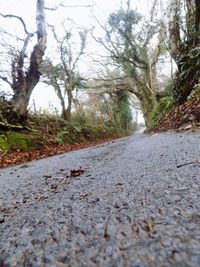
<point>135,202</point>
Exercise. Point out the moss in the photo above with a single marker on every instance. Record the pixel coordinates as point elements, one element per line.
<point>163,106</point>
<point>3,144</point>
<point>18,141</point>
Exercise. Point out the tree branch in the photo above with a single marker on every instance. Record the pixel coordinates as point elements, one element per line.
<point>16,17</point>
<point>11,35</point>
<point>5,79</point>
<point>65,6</point>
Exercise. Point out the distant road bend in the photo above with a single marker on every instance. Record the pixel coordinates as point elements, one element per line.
<point>133,202</point>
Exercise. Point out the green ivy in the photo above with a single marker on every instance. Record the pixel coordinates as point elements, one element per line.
<point>161,109</point>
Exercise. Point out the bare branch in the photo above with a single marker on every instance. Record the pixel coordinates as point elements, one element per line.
<point>82,48</point>
<point>98,40</point>
<point>11,35</point>
<point>66,6</point>
<point>110,79</point>
<point>16,17</point>
<point>114,51</point>
<point>5,79</point>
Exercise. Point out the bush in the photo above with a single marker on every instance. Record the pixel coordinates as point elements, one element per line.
<point>86,130</point>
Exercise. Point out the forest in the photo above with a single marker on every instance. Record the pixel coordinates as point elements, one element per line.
<point>104,74</point>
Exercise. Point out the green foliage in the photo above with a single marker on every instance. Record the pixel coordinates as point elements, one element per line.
<point>128,37</point>
<point>83,128</point>
<point>18,141</point>
<point>163,106</point>
<point>130,41</point>
<point>57,74</point>
<point>121,18</point>
<point>186,47</point>
<point>78,81</point>
<point>195,93</point>
<point>69,133</point>
<point>76,131</point>
<point>60,136</point>
<point>10,141</point>
<point>122,112</point>
<point>3,144</point>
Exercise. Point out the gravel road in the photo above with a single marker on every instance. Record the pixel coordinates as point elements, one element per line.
<point>133,202</point>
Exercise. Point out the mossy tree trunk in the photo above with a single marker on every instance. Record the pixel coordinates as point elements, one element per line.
<point>148,103</point>
<point>184,43</point>
<point>121,110</point>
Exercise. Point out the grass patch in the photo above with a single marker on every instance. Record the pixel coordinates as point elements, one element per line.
<point>3,144</point>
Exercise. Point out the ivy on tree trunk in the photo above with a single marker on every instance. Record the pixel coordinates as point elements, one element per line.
<point>184,42</point>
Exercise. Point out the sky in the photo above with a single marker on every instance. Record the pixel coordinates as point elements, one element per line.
<point>43,96</point>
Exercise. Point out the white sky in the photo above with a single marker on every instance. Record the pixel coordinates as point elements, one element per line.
<point>44,96</point>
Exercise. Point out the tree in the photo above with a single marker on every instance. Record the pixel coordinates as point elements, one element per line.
<point>24,76</point>
<point>64,76</point>
<point>111,93</point>
<point>129,41</point>
<point>184,46</point>
<point>121,110</point>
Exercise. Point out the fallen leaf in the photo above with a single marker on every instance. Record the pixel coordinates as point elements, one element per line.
<point>20,157</point>
<point>76,172</point>
<point>84,195</point>
<point>150,226</point>
<point>182,118</point>
<point>43,198</point>
<point>47,176</point>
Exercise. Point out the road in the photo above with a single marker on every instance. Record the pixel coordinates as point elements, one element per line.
<point>132,202</point>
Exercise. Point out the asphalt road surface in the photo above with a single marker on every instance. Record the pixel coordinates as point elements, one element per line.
<point>133,202</point>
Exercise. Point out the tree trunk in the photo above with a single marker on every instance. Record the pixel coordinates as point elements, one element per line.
<point>186,78</point>
<point>148,102</point>
<point>18,112</point>
<point>25,82</point>
<point>61,98</point>
<point>146,89</point>
<point>69,106</point>
<point>184,44</point>
<point>63,113</point>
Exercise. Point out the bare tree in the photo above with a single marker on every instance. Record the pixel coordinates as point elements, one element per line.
<point>64,76</point>
<point>23,79</point>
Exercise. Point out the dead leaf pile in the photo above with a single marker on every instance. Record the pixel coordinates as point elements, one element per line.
<point>18,157</point>
<point>183,117</point>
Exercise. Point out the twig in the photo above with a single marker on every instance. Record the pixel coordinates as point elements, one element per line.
<point>106,235</point>
<point>5,125</point>
<point>16,17</point>
<point>188,163</point>
<point>62,5</point>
